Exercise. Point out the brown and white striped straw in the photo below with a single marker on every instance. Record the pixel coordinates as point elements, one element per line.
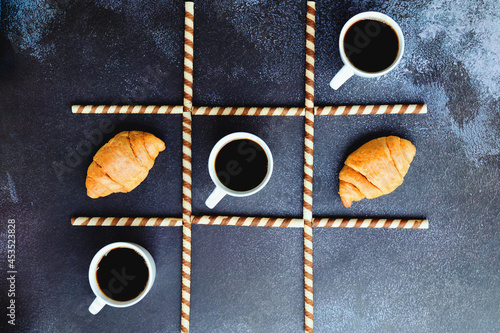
<point>310,39</point>
<point>308,228</point>
<point>252,222</point>
<point>371,223</point>
<point>308,278</point>
<point>186,214</point>
<point>249,221</point>
<point>371,109</point>
<point>308,169</point>
<point>126,221</point>
<point>188,55</point>
<point>247,111</point>
<point>186,165</point>
<point>129,109</point>
<point>186,277</point>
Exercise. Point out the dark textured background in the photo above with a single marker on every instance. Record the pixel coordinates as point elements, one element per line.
<point>446,279</point>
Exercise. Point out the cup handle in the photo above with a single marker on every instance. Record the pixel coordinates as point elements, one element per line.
<point>345,73</point>
<point>96,306</point>
<point>215,197</point>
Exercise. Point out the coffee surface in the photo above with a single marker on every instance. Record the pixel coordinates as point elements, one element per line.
<point>241,165</point>
<point>122,274</point>
<point>371,46</point>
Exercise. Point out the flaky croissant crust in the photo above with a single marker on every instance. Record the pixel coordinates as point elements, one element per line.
<point>376,168</point>
<point>122,163</point>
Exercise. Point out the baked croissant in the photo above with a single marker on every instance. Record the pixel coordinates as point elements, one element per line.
<point>374,169</point>
<point>122,163</point>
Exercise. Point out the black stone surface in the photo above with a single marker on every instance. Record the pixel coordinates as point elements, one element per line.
<point>248,53</point>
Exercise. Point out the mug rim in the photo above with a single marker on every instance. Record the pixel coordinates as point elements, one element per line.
<point>233,137</point>
<point>97,259</point>
<point>377,16</point>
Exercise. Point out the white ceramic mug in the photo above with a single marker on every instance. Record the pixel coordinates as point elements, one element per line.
<point>101,299</point>
<point>349,69</point>
<point>220,189</point>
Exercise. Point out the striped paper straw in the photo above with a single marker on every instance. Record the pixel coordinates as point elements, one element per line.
<point>371,109</point>
<point>186,166</point>
<point>249,221</point>
<point>126,221</point>
<point>371,223</point>
<point>137,109</point>
<point>310,34</point>
<point>308,277</point>
<point>188,55</point>
<point>186,214</point>
<point>307,211</point>
<point>186,277</point>
<point>308,164</point>
<point>308,169</point>
<point>247,111</point>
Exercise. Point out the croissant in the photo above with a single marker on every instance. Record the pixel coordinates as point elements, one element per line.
<point>374,169</point>
<point>122,163</point>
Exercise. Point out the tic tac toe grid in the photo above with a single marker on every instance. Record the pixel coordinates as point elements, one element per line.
<point>308,112</point>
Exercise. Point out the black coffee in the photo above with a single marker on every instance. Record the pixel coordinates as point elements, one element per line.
<point>371,46</point>
<point>241,165</point>
<point>122,274</point>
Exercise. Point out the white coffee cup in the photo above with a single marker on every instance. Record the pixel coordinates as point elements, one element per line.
<point>220,189</point>
<point>349,69</point>
<point>102,299</point>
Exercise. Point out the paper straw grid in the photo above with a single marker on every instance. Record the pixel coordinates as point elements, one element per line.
<point>309,112</point>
